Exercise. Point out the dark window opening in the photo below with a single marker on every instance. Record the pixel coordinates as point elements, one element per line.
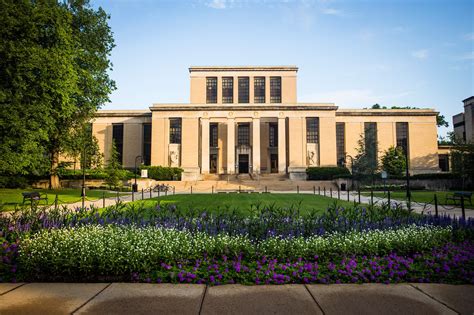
<point>243,134</point>
<point>259,90</point>
<point>175,130</point>
<point>275,89</point>
<point>213,135</point>
<point>402,136</point>
<point>312,130</point>
<point>243,89</point>
<point>370,141</point>
<point>443,162</point>
<point>273,135</point>
<point>211,90</point>
<point>117,137</point>
<point>340,146</point>
<point>147,144</point>
<point>227,90</point>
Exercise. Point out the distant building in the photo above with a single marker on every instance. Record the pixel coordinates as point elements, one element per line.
<point>247,120</point>
<point>464,122</point>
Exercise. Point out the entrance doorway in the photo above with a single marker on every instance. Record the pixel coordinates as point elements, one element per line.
<point>273,163</point>
<point>243,163</point>
<point>213,164</point>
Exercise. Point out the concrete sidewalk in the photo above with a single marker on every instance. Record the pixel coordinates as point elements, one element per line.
<point>131,298</point>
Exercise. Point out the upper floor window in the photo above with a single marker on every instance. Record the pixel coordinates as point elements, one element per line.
<point>243,134</point>
<point>259,90</point>
<point>402,136</point>
<point>370,141</point>
<point>312,130</point>
<point>211,90</point>
<point>227,90</point>
<point>213,136</point>
<point>273,135</point>
<point>147,144</point>
<point>117,137</point>
<point>275,89</point>
<point>243,89</point>
<point>175,130</point>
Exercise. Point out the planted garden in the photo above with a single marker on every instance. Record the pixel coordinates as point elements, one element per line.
<point>266,245</point>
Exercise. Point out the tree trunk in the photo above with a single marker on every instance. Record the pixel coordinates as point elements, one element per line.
<point>54,178</point>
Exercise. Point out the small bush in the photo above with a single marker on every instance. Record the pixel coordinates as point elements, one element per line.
<point>13,181</point>
<point>92,174</point>
<point>163,173</point>
<point>327,173</point>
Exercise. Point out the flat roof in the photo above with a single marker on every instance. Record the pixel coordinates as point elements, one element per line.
<point>468,99</point>
<point>243,68</point>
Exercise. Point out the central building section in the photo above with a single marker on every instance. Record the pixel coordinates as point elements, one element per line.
<point>242,120</point>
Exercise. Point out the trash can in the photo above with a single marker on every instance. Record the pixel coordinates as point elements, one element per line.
<point>343,186</point>
<point>134,187</point>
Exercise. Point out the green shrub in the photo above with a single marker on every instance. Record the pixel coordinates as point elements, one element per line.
<point>327,173</point>
<point>163,173</point>
<point>13,181</point>
<point>93,174</point>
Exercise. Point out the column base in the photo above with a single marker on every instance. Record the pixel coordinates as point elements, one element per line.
<point>190,174</point>
<point>297,173</point>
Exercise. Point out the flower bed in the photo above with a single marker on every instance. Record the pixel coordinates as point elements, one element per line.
<point>270,246</point>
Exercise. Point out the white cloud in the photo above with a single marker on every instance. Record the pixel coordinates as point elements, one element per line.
<point>217,4</point>
<point>332,11</point>
<point>420,54</point>
<point>469,36</point>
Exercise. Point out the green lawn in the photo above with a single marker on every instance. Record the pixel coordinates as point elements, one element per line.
<point>421,197</point>
<point>11,197</point>
<point>244,202</point>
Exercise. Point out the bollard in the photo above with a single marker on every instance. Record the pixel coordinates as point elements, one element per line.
<point>133,196</point>
<point>103,200</point>
<point>151,189</point>
<point>358,188</point>
<point>142,194</point>
<point>56,202</point>
<point>348,193</point>
<point>388,195</point>
<point>338,193</point>
<point>371,197</point>
<point>462,208</point>
<point>297,189</point>
<point>330,192</point>
<point>118,198</point>
<point>314,190</point>
<point>436,204</point>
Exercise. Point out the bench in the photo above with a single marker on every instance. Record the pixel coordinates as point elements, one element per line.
<point>457,195</point>
<point>34,196</point>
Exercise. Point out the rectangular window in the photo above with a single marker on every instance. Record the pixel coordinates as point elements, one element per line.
<point>402,136</point>
<point>243,89</point>
<point>370,141</point>
<point>259,90</point>
<point>275,89</point>
<point>340,145</point>
<point>146,144</point>
<point>117,137</point>
<point>243,134</point>
<point>443,162</point>
<point>175,130</point>
<point>227,90</point>
<point>273,135</point>
<point>213,135</point>
<point>211,90</point>
<point>312,130</point>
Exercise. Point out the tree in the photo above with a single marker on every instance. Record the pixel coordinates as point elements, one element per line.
<point>54,58</point>
<point>113,169</point>
<point>366,162</point>
<point>462,158</point>
<point>81,140</point>
<point>394,161</point>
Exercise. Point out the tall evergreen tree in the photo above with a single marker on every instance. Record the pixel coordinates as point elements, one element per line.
<point>54,58</point>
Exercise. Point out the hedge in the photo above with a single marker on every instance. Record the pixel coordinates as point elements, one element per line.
<point>163,173</point>
<point>327,173</point>
<point>92,174</point>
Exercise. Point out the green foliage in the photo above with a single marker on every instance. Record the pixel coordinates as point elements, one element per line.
<point>81,140</point>
<point>54,65</point>
<point>163,173</point>
<point>13,182</point>
<point>366,162</point>
<point>114,170</point>
<point>394,161</point>
<point>96,173</point>
<point>326,173</point>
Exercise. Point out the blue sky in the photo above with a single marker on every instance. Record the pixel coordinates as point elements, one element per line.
<point>352,53</point>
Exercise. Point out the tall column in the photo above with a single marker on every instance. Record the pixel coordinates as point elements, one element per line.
<point>204,145</point>
<point>190,149</point>
<point>230,146</point>
<point>256,145</point>
<point>282,145</point>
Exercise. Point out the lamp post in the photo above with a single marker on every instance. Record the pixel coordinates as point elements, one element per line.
<point>83,191</point>
<point>135,186</point>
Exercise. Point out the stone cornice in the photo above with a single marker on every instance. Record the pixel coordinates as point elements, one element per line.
<point>123,113</point>
<point>386,112</point>
<point>242,68</point>
<point>241,107</point>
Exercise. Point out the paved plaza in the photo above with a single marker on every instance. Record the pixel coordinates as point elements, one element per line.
<point>140,298</point>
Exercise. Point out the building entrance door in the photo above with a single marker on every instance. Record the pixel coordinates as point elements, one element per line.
<point>213,164</point>
<point>273,163</point>
<point>243,163</point>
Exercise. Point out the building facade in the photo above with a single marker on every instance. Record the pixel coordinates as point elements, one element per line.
<point>463,123</point>
<point>247,120</point>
